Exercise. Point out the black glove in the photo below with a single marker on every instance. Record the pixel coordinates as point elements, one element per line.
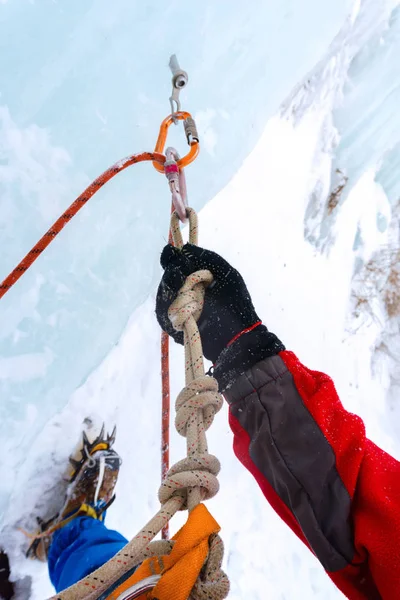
<point>231,332</point>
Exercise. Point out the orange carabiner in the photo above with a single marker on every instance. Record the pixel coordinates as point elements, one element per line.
<point>162,138</point>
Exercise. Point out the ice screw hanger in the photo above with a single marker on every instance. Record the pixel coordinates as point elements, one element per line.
<point>179,81</point>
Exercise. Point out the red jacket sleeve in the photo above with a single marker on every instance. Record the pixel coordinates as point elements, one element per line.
<point>335,488</point>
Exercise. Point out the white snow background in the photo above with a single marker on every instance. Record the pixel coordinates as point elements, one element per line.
<point>268,221</point>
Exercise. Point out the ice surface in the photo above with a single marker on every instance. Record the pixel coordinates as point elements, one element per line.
<point>92,90</point>
<point>263,558</point>
<point>85,84</point>
<point>364,94</point>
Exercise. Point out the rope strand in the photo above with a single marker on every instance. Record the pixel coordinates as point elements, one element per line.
<point>71,211</point>
<point>192,479</point>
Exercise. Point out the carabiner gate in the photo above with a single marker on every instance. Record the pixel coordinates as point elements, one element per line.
<point>191,136</point>
<point>136,590</point>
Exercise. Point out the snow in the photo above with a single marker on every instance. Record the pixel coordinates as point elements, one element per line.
<point>364,93</point>
<point>264,240</point>
<point>93,88</point>
<point>78,335</point>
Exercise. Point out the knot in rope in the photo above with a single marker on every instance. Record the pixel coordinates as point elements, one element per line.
<point>193,478</point>
<point>202,393</point>
<point>195,472</point>
<point>213,583</point>
<point>190,300</point>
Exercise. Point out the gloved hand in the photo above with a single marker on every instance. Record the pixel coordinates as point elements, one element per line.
<point>228,308</point>
<point>231,332</point>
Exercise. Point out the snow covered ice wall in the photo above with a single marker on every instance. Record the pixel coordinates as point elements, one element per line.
<point>84,84</point>
<point>358,83</point>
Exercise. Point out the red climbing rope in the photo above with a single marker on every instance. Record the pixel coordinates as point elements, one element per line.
<point>173,169</point>
<point>165,404</point>
<point>172,165</point>
<point>158,159</point>
<point>55,229</point>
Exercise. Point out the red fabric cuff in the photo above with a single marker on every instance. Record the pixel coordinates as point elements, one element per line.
<point>247,330</point>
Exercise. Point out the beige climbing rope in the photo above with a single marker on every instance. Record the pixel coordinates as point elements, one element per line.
<point>191,480</point>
